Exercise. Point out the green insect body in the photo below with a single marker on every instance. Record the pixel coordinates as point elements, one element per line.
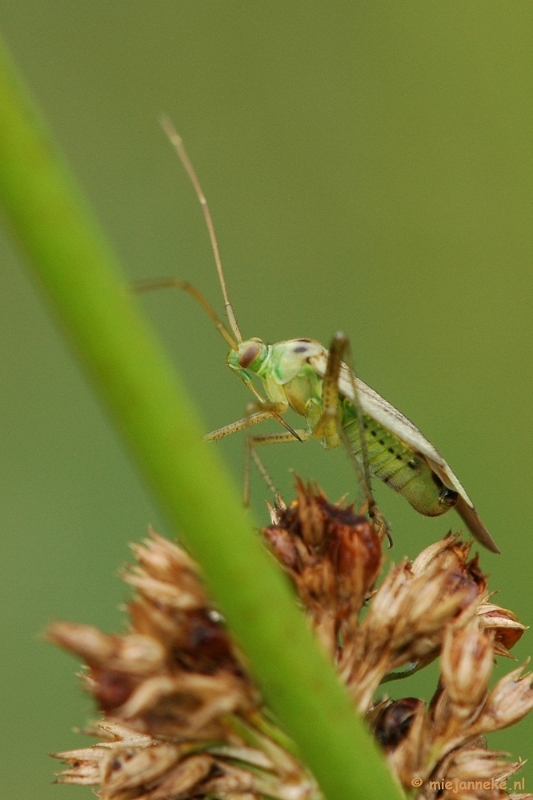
<point>397,464</point>
<point>336,405</point>
<point>293,372</point>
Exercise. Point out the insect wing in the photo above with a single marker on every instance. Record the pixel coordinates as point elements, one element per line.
<point>472,519</point>
<point>375,406</point>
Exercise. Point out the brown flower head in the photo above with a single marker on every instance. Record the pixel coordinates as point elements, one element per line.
<point>182,718</point>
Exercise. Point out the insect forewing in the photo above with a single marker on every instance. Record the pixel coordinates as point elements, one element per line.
<point>387,415</point>
<point>475,525</point>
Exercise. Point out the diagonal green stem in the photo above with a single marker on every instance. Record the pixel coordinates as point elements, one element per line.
<point>80,276</point>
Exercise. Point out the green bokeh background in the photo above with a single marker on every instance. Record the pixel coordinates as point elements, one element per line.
<point>369,168</point>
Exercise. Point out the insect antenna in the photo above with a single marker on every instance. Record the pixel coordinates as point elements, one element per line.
<point>150,285</point>
<point>176,141</point>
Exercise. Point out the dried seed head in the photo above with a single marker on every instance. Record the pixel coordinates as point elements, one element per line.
<point>503,624</point>
<point>509,701</point>
<point>332,555</point>
<point>179,671</point>
<point>466,663</point>
<point>184,721</point>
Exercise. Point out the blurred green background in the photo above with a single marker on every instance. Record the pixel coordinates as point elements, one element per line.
<point>369,168</point>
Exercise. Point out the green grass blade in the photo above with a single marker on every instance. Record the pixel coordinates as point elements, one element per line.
<point>83,283</point>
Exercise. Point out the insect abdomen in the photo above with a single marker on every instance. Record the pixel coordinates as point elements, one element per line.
<point>398,465</point>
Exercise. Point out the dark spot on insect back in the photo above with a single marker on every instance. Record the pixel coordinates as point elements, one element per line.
<point>301,347</point>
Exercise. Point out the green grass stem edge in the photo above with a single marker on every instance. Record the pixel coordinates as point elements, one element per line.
<point>66,250</point>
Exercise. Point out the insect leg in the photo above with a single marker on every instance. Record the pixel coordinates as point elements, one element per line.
<point>329,425</point>
<point>273,410</point>
<point>256,413</point>
<point>266,476</point>
<point>239,425</point>
<point>268,438</point>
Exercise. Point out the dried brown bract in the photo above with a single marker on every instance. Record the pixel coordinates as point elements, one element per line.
<point>333,557</point>
<point>182,719</point>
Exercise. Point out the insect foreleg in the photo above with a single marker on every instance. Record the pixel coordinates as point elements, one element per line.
<point>240,425</point>
<point>279,438</point>
<point>256,413</point>
<point>275,410</point>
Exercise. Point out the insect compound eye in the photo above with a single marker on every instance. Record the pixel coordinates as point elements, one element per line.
<point>448,497</point>
<point>249,355</point>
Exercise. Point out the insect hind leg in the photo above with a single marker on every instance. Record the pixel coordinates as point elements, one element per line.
<point>330,429</point>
